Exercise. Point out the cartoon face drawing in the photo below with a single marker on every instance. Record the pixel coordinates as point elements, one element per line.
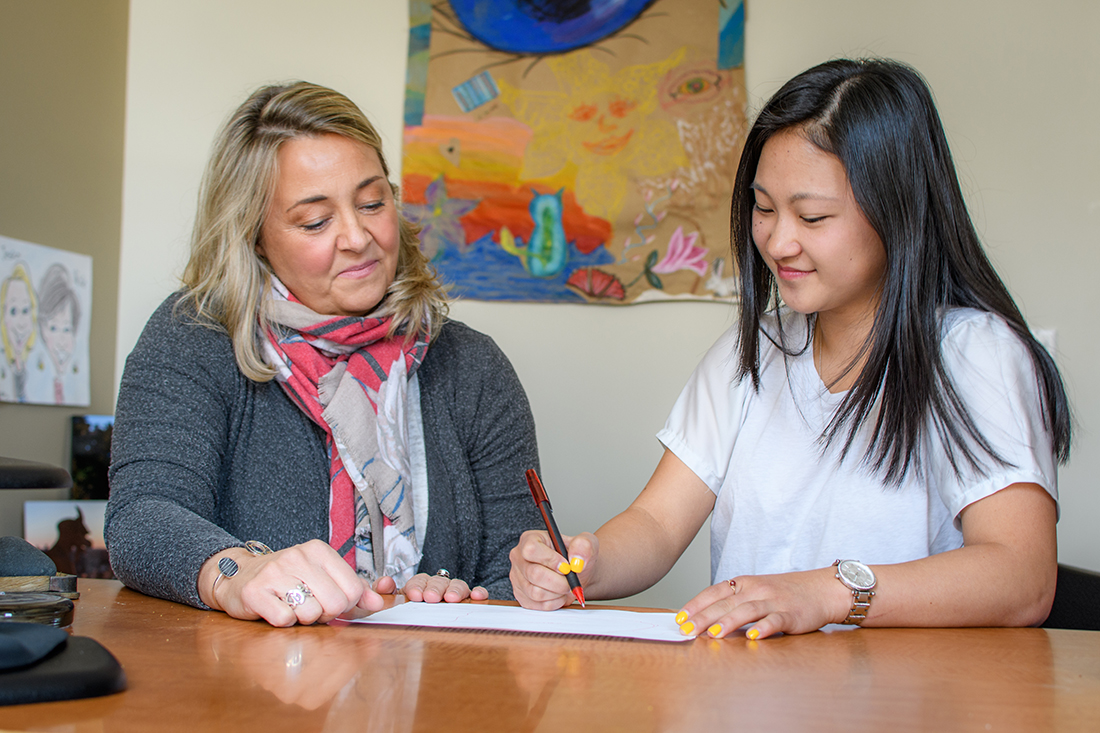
<point>58,316</point>
<point>18,316</point>
<point>610,124</point>
<point>58,336</point>
<point>601,120</point>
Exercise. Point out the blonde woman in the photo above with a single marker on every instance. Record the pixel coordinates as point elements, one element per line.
<point>20,308</point>
<point>305,393</point>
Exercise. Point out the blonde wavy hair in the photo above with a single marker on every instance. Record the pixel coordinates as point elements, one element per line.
<point>226,280</point>
<point>18,274</point>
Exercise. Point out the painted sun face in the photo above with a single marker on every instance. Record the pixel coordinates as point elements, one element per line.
<point>609,124</point>
<point>18,315</point>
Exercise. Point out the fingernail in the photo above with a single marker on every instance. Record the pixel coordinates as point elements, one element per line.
<point>687,628</point>
<point>753,634</point>
<point>715,630</point>
<point>681,617</point>
<point>563,568</point>
<point>577,564</point>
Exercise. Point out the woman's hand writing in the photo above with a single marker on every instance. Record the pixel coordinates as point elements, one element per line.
<point>538,571</point>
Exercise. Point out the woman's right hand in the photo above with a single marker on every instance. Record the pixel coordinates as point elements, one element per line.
<point>538,571</point>
<point>260,587</point>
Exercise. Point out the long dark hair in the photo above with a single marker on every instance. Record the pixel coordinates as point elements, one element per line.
<point>877,116</point>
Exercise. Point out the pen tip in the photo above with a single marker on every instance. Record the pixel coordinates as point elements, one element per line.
<point>579,593</point>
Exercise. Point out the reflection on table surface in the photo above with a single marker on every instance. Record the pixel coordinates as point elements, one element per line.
<point>195,670</point>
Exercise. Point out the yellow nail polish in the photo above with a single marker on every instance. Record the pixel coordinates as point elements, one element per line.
<point>563,567</point>
<point>687,628</point>
<point>681,617</point>
<point>753,634</point>
<point>715,630</point>
<point>577,564</point>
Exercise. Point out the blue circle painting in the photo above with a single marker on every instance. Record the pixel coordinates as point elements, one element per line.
<point>545,26</point>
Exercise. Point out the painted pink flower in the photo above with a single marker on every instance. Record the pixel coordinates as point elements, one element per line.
<point>683,255</point>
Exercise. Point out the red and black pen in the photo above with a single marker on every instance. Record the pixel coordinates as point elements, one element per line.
<point>543,503</point>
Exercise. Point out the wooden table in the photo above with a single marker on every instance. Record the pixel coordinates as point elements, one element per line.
<point>197,671</point>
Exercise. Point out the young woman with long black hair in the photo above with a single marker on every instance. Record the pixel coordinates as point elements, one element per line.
<point>876,441</point>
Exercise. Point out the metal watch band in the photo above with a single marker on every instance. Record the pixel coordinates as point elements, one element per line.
<point>861,602</point>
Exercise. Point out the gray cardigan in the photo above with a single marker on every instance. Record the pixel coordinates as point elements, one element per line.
<point>203,458</point>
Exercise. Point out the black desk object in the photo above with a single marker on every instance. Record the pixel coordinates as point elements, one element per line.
<point>17,474</point>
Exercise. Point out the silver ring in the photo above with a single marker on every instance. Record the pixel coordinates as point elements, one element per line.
<point>442,573</point>
<point>298,596</point>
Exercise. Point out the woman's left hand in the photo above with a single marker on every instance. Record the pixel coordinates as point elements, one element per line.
<point>792,603</point>
<point>433,589</point>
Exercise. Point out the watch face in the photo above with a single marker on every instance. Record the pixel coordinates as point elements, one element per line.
<point>857,574</point>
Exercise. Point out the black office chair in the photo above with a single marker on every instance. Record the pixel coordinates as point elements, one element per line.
<point>1076,600</point>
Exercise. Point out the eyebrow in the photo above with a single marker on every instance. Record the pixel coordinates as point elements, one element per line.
<point>321,197</point>
<point>795,197</point>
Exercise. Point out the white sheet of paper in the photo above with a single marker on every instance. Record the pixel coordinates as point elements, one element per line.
<point>593,621</point>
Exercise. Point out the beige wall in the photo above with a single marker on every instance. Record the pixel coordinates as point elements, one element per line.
<point>1017,87</point>
<point>63,83</point>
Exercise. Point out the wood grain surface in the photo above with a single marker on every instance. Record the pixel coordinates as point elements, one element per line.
<point>191,670</point>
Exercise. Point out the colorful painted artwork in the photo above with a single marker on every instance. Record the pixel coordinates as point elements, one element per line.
<point>575,151</point>
<point>46,301</point>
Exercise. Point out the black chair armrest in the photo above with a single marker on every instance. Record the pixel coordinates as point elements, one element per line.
<point>1076,600</point>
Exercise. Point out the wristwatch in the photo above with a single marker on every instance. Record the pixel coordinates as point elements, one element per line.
<point>859,579</point>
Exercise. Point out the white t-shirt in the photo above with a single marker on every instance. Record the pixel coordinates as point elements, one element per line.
<point>785,505</point>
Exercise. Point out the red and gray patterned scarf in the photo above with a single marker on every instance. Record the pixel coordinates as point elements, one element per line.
<point>352,381</point>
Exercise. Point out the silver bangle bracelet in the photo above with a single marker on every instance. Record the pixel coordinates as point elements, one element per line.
<point>227,566</point>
